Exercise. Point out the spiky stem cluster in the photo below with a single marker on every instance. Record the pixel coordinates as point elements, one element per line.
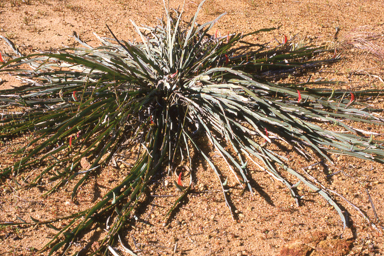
<point>161,95</point>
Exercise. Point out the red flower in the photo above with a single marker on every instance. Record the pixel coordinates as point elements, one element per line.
<point>1,58</point>
<point>179,179</point>
<point>226,59</point>
<point>266,133</point>
<point>334,55</point>
<point>285,39</point>
<point>299,99</point>
<point>74,95</point>
<point>70,141</point>
<point>173,75</point>
<point>352,98</point>
<point>216,34</point>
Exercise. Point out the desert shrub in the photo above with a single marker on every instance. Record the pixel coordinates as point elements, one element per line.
<point>159,96</point>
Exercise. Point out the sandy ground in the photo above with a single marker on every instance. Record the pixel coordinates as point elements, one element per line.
<point>270,223</point>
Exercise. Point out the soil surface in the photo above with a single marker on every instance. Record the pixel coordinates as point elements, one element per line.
<point>268,223</point>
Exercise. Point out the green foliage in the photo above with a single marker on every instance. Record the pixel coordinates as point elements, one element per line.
<point>158,96</point>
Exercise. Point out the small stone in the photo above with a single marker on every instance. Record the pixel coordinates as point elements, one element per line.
<point>295,248</point>
<point>85,165</point>
<point>337,247</point>
<point>348,234</point>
